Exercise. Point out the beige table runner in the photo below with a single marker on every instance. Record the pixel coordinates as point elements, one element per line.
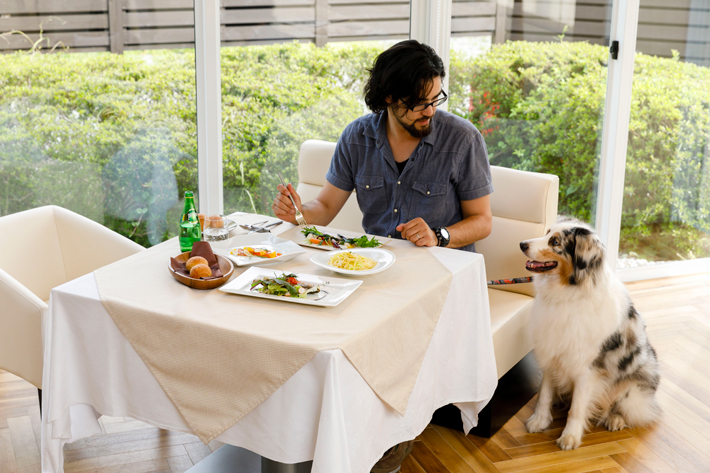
<point>219,355</point>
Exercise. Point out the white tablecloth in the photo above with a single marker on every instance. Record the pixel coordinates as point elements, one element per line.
<point>326,412</point>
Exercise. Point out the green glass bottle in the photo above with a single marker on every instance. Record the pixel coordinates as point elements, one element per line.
<point>189,224</point>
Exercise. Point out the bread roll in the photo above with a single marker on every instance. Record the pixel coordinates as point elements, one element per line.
<point>194,261</point>
<point>201,218</point>
<point>200,271</point>
<point>215,221</point>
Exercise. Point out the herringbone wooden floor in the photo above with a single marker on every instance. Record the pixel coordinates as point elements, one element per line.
<point>677,311</point>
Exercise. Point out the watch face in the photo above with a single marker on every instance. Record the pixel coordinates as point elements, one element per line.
<point>445,233</point>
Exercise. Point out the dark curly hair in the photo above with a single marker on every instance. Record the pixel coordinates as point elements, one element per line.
<point>404,71</point>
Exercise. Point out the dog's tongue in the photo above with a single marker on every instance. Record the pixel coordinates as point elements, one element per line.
<point>538,264</point>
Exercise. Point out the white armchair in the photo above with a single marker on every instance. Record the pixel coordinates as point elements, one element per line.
<point>524,206</point>
<point>40,249</point>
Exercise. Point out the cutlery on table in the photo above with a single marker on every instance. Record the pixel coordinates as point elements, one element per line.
<point>252,226</point>
<point>299,216</point>
<point>266,228</point>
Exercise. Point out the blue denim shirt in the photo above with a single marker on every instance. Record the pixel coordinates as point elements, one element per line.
<point>448,166</point>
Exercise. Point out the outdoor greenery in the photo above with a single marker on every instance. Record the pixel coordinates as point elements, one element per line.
<point>540,107</point>
<point>113,137</point>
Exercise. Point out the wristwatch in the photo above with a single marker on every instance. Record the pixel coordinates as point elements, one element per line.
<point>442,234</point>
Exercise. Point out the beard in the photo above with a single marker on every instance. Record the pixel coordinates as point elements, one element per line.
<point>412,129</point>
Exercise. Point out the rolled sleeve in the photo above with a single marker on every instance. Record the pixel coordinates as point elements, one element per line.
<point>340,173</point>
<point>474,176</point>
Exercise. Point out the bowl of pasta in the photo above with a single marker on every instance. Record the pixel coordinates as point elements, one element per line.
<point>357,262</point>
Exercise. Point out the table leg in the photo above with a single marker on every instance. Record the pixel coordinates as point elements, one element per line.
<point>231,459</point>
<point>270,466</point>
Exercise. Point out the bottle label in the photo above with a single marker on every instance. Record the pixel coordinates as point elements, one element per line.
<point>192,216</point>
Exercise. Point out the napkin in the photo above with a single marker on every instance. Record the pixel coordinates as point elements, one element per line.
<point>199,248</point>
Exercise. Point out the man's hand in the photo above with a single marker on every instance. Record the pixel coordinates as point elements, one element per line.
<point>282,206</point>
<point>418,232</point>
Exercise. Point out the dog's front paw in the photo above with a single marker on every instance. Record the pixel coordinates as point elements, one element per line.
<point>569,441</point>
<point>538,422</point>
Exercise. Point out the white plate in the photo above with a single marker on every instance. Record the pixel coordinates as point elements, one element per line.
<point>296,236</point>
<point>384,258</point>
<point>287,248</point>
<point>336,290</point>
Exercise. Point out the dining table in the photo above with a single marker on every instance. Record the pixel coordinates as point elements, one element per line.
<point>332,388</point>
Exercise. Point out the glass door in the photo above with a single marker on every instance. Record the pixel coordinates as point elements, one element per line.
<point>666,206</point>
<point>532,77</point>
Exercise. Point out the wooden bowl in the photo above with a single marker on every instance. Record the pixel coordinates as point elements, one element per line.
<point>225,265</point>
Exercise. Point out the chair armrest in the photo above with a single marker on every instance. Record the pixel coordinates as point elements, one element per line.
<point>21,330</point>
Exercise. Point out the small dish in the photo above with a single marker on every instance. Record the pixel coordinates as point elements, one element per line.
<point>336,290</point>
<point>384,259</point>
<point>287,248</point>
<point>225,266</point>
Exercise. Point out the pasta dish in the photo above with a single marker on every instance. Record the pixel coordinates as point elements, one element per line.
<point>352,261</point>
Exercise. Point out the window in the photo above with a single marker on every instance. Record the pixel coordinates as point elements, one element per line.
<point>97,111</point>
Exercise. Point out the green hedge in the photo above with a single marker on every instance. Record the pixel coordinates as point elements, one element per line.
<point>114,136</point>
<point>541,107</point>
<point>104,130</point>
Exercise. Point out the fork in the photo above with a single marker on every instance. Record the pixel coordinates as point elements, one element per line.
<point>299,216</point>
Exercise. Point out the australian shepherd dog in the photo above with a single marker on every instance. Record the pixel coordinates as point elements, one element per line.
<point>588,338</point>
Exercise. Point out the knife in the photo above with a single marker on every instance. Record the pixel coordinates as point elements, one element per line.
<point>252,226</point>
<point>266,228</point>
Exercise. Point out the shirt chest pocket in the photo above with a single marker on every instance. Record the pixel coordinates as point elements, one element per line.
<point>428,201</point>
<point>371,195</point>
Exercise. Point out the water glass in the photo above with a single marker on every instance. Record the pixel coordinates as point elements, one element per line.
<point>215,228</point>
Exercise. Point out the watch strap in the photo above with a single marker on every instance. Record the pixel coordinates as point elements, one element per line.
<point>441,240</point>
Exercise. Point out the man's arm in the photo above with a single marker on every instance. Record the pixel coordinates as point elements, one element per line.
<point>476,225</point>
<point>319,211</point>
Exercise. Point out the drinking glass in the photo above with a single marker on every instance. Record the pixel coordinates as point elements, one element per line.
<point>215,228</point>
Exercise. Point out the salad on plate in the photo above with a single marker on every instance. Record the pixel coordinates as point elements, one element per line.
<point>286,285</point>
<point>316,237</point>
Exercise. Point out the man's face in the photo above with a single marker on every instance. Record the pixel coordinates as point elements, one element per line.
<point>418,124</point>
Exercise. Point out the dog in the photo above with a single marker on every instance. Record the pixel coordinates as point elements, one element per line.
<point>587,336</point>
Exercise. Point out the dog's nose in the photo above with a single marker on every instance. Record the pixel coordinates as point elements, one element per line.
<point>524,246</point>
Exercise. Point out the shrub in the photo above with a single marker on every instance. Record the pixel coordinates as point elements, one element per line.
<point>69,122</point>
<point>273,99</point>
<point>113,137</point>
<point>541,106</point>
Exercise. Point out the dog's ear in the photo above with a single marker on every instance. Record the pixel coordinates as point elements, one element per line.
<point>587,254</point>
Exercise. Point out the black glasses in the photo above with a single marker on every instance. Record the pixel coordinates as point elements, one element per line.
<point>423,106</point>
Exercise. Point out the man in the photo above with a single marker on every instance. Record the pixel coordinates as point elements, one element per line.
<point>420,175</point>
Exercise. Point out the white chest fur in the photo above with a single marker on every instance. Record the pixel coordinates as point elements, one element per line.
<point>569,324</point>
